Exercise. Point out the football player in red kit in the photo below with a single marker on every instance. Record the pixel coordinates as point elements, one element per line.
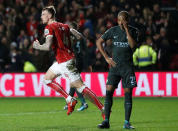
<point>58,38</point>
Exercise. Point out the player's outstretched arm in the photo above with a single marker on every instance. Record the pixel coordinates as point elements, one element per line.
<point>100,48</point>
<point>46,46</point>
<point>77,34</point>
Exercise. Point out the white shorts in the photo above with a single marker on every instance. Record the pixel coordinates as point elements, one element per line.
<point>66,69</point>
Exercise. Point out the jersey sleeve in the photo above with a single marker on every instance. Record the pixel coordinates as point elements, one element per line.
<point>48,31</point>
<point>107,35</point>
<point>67,27</point>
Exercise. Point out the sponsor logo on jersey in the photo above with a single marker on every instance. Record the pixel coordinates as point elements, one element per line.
<point>63,28</point>
<point>121,44</point>
<point>116,36</point>
<point>46,31</point>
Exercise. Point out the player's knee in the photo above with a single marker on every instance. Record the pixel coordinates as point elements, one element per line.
<point>128,90</point>
<point>77,84</point>
<point>45,81</point>
<point>110,88</point>
<point>80,89</point>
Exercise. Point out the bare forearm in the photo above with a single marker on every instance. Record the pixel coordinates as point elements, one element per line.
<point>109,60</point>
<point>43,47</point>
<point>77,34</point>
<point>100,48</point>
<point>131,41</point>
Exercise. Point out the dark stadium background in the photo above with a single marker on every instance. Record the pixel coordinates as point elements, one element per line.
<point>20,25</point>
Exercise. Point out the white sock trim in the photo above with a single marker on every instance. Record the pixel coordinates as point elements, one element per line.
<point>80,89</point>
<point>47,81</point>
<point>68,99</point>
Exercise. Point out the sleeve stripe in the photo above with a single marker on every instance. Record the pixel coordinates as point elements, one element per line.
<point>49,36</point>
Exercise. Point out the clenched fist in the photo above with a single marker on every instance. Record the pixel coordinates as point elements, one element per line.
<point>36,44</point>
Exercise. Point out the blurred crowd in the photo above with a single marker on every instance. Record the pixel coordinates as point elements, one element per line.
<point>20,25</point>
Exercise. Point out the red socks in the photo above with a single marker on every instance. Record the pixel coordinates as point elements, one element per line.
<point>92,97</point>
<point>86,92</point>
<point>58,88</point>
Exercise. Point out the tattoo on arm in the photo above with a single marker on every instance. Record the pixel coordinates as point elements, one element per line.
<point>46,46</point>
<point>77,34</point>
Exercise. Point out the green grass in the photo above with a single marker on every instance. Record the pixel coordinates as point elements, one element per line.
<point>47,114</point>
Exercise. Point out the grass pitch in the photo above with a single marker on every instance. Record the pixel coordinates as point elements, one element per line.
<point>47,114</point>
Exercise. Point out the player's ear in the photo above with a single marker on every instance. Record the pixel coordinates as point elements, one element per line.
<point>118,19</point>
<point>49,15</point>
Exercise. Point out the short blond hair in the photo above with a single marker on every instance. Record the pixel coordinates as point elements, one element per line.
<point>51,10</point>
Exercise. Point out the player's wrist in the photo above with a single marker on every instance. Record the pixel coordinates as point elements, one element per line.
<point>106,57</point>
<point>127,31</point>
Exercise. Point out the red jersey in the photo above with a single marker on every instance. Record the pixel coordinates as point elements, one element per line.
<point>61,41</point>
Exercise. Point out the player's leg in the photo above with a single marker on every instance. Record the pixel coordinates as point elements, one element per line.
<point>128,82</point>
<point>81,88</point>
<point>84,105</point>
<point>112,82</point>
<point>50,75</point>
<point>128,107</point>
<point>71,93</point>
<point>48,80</point>
<point>79,66</point>
<point>128,103</point>
<point>107,106</point>
<point>108,101</point>
<point>72,73</point>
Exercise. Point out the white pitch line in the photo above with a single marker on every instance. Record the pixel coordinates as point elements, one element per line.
<point>32,113</point>
<point>28,113</point>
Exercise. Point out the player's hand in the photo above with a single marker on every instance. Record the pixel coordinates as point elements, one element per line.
<point>90,69</point>
<point>125,24</point>
<point>111,62</point>
<point>36,44</point>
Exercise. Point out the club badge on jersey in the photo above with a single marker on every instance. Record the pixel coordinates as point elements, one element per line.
<point>46,32</point>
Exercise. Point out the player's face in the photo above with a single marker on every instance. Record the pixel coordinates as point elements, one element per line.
<point>45,17</point>
<point>120,20</point>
